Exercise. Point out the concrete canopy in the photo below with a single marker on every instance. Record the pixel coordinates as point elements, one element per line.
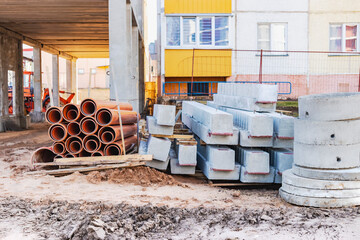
<point>79,28</point>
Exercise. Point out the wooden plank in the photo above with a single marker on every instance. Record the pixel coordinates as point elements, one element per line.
<point>178,136</point>
<point>86,169</point>
<point>123,158</point>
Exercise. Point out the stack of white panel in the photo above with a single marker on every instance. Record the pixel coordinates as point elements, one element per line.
<point>161,123</point>
<point>281,160</point>
<point>210,125</point>
<point>218,162</point>
<point>256,129</point>
<point>255,165</point>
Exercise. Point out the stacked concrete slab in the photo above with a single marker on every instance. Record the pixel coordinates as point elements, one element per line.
<point>326,169</point>
<point>255,165</point>
<point>215,128</point>
<point>259,127</point>
<point>217,162</point>
<point>161,123</point>
<point>281,160</point>
<point>211,125</point>
<point>250,97</point>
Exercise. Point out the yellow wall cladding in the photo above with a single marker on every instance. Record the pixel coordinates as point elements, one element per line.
<point>207,63</point>
<point>197,6</point>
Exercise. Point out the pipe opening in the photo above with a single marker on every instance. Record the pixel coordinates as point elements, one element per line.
<point>113,150</point>
<point>58,156</point>
<point>97,154</point>
<point>74,128</point>
<point>74,147</point>
<point>107,137</point>
<point>69,155</point>
<point>88,107</point>
<point>89,126</point>
<point>58,148</point>
<point>91,145</point>
<point>57,133</point>
<point>104,117</point>
<point>54,115</point>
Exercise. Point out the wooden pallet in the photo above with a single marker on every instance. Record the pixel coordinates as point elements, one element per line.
<point>227,183</point>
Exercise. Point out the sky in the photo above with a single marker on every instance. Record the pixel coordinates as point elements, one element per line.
<point>152,20</point>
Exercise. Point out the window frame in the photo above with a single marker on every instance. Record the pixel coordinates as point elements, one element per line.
<point>344,38</point>
<point>197,32</point>
<point>280,52</point>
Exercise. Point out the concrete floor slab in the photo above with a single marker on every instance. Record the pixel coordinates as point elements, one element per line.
<point>254,160</point>
<point>247,141</point>
<point>154,128</point>
<point>203,132</point>
<point>244,103</point>
<point>257,178</point>
<point>164,114</point>
<point>186,155</point>
<point>159,148</point>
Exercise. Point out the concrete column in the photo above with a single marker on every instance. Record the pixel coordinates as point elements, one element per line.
<point>135,67</point>
<point>55,80</point>
<point>4,103</point>
<point>18,90</point>
<point>69,77</point>
<point>120,83</point>
<point>37,115</point>
<point>74,86</point>
<point>141,75</point>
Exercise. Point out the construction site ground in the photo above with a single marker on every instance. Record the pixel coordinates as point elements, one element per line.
<point>142,203</point>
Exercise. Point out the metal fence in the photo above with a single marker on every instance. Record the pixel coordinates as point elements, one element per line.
<point>296,73</point>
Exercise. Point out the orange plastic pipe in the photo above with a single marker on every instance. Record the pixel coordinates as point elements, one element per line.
<point>89,106</point>
<point>106,117</point>
<point>59,148</point>
<point>91,143</point>
<point>54,115</point>
<point>74,145</point>
<point>88,125</point>
<point>71,112</point>
<point>116,148</point>
<point>58,132</point>
<point>97,154</point>
<point>73,128</point>
<point>111,134</point>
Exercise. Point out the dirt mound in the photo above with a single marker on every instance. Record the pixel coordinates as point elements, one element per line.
<point>143,176</point>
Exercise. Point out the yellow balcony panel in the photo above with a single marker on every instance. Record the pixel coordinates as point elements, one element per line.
<point>200,63</point>
<point>197,6</point>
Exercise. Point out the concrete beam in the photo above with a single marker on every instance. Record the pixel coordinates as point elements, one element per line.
<point>55,80</point>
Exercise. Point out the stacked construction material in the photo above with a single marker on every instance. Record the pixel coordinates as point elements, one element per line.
<point>214,128</point>
<point>180,153</point>
<point>252,107</point>
<point>326,170</point>
<point>93,129</point>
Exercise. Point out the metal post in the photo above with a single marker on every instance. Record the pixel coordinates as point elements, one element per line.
<point>260,71</point>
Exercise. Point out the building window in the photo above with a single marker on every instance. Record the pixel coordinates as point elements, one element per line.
<point>344,37</point>
<point>173,31</point>
<point>205,31</point>
<point>272,36</point>
<point>221,31</point>
<point>81,71</point>
<point>191,31</point>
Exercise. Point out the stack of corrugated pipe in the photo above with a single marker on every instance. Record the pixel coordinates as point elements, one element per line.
<point>93,129</point>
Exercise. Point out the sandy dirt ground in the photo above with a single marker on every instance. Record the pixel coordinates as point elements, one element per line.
<point>106,206</point>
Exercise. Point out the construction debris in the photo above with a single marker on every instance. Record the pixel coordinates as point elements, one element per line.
<point>326,153</point>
